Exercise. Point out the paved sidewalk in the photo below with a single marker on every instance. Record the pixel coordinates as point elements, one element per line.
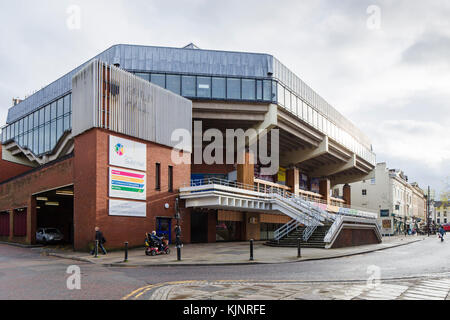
<point>226,254</point>
<point>436,288</point>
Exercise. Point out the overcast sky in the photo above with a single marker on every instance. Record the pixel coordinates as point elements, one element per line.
<point>386,68</point>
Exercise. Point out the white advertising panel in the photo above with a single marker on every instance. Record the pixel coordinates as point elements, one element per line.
<point>127,208</point>
<point>127,184</point>
<point>127,154</point>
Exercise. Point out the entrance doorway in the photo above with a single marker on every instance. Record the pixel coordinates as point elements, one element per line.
<point>164,228</point>
<point>199,227</point>
<point>54,210</point>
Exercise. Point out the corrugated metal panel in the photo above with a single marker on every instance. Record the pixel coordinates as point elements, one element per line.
<point>108,97</point>
<point>159,59</point>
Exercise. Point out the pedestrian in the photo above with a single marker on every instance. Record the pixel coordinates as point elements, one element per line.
<point>178,242</point>
<point>101,240</point>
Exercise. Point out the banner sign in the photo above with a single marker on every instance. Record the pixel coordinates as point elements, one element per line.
<point>127,208</point>
<point>127,153</point>
<point>127,184</point>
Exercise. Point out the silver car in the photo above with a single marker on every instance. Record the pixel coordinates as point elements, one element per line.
<point>46,235</point>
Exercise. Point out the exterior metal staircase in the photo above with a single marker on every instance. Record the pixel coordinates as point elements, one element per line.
<point>315,240</point>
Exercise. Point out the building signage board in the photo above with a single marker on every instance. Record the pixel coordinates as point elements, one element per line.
<point>127,153</point>
<point>387,226</point>
<point>127,208</point>
<point>127,184</point>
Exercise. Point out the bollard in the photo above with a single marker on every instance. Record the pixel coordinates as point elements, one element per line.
<point>96,249</point>
<point>251,250</point>
<point>299,250</point>
<point>126,252</point>
<point>178,253</point>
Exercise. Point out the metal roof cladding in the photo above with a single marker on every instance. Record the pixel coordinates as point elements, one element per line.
<point>156,59</point>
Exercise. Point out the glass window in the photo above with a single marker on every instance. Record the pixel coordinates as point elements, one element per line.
<point>30,140</point>
<point>47,137</point>
<point>41,116</point>
<point>234,88</point>
<point>204,87</point>
<point>60,108</point>
<point>68,103</point>
<point>188,86</point>
<point>59,128</point>
<point>52,111</point>
<point>30,122</point>
<point>248,89</point>
<point>158,79</point>
<point>25,124</point>
<point>173,83</point>
<point>218,88</point>
<point>35,141</point>
<point>67,122</point>
<point>53,134</point>
<point>267,90</point>
<point>41,140</point>
<point>259,90</point>
<point>274,91</point>
<point>144,76</point>
<point>35,119</point>
<point>20,126</point>
<point>47,113</point>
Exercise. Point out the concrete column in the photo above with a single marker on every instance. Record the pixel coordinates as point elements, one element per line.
<point>246,171</point>
<point>324,190</point>
<point>212,223</point>
<point>347,194</point>
<point>293,180</point>
<point>31,221</point>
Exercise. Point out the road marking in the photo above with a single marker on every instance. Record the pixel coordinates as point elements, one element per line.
<point>420,296</point>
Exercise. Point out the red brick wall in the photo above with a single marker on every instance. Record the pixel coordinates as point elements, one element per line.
<point>18,192</point>
<point>93,184</point>
<point>10,169</point>
<point>355,237</point>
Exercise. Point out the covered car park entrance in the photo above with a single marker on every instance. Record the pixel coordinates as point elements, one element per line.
<point>54,210</point>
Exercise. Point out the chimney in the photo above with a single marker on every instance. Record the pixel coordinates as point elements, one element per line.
<point>16,101</point>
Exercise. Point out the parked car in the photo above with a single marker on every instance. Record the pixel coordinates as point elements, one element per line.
<point>47,235</point>
<point>446,226</point>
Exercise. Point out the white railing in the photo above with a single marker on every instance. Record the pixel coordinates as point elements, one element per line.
<point>286,229</point>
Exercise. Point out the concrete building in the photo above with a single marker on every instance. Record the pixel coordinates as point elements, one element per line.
<point>59,164</point>
<point>391,195</point>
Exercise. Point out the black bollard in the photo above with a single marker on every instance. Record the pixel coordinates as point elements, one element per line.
<point>96,249</point>
<point>299,249</point>
<point>126,252</point>
<point>178,253</point>
<point>251,250</point>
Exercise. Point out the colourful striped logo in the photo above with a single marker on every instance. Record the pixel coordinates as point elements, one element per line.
<point>127,181</point>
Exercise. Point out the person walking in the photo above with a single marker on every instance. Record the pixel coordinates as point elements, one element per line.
<point>441,233</point>
<point>101,240</point>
